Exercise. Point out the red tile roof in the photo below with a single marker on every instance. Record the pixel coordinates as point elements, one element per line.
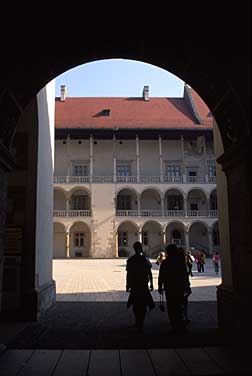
<point>166,113</point>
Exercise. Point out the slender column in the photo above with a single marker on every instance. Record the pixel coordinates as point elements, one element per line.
<point>160,159</point>
<point>91,157</point>
<point>140,236</point>
<point>162,206</point>
<point>68,203</point>
<point>183,158</point>
<point>163,239</point>
<point>68,244</point>
<point>69,173</point>
<point>205,159</point>
<point>137,159</point>
<point>187,243</point>
<point>116,244</point>
<point>114,157</point>
<point>210,242</point>
<point>138,205</point>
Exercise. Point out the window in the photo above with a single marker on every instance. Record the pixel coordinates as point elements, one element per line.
<point>79,202</point>
<point>79,239</point>
<point>123,202</point>
<point>174,202</point>
<point>145,238</point>
<point>172,170</point>
<point>212,171</point>
<point>122,239</point>
<point>123,170</point>
<point>80,170</point>
<point>194,206</point>
<point>106,112</point>
<point>176,238</point>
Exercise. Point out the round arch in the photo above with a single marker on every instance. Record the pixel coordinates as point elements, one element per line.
<point>205,193</point>
<point>127,187</point>
<point>79,188</point>
<point>59,188</point>
<point>175,233</point>
<point>151,188</point>
<point>80,239</point>
<point>198,236</point>
<point>176,188</point>
<point>130,222</point>
<point>127,235</point>
<point>152,238</point>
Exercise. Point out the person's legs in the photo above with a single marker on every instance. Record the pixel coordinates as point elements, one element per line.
<point>139,312</point>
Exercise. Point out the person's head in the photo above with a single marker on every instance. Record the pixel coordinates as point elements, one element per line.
<point>171,249</point>
<point>181,250</point>
<point>138,248</point>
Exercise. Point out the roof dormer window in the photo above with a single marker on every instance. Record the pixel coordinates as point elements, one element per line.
<point>106,112</point>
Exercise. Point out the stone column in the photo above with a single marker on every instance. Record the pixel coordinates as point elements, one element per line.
<point>6,165</point>
<point>91,158</point>
<point>162,206</point>
<point>139,205</point>
<point>205,159</point>
<point>140,236</point>
<point>183,159</point>
<point>234,294</point>
<point>68,244</point>
<point>116,244</point>
<point>187,243</point>
<point>160,159</point>
<point>163,240</point>
<point>114,158</point>
<point>67,203</point>
<point>69,172</point>
<point>137,159</point>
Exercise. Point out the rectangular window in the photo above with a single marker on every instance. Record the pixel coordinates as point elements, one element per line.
<point>79,239</point>
<point>123,202</point>
<point>174,202</point>
<point>123,170</point>
<point>145,238</point>
<point>172,171</point>
<point>194,206</point>
<point>212,171</point>
<point>122,239</point>
<point>80,170</point>
<point>79,203</point>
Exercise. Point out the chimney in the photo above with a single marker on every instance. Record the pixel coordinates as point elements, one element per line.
<point>146,93</point>
<point>63,93</point>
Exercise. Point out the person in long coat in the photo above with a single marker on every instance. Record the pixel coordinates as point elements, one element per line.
<point>173,279</point>
<point>139,283</point>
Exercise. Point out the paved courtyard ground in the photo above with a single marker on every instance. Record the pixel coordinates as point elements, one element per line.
<point>103,280</point>
<point>91,312</point>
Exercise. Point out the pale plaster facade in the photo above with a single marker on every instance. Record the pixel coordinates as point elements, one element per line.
<point>117,208</point>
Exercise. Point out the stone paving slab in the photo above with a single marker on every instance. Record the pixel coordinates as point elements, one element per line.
<point>124,362</point>
<point>101,280</point>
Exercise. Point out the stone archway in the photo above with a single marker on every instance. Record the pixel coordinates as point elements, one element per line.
<point>222,81</point>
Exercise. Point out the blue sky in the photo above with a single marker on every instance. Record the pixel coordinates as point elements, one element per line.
<point>119,78</point>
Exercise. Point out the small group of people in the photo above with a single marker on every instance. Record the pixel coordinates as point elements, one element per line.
<point>173,281</point>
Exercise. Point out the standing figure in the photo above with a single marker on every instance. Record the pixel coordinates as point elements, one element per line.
<point>216,260</point>
<point>174,280</point>
<point>200,260</point>
<point>189,258</point>
<point>160,258</point>
<point>138,279</point>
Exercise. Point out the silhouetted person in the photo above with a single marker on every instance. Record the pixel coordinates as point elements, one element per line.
<point>216,260</point>
<point>174,280</point>
<point>138,278</point>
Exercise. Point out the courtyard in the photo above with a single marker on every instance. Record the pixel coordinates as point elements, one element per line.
<point>104,280</point>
